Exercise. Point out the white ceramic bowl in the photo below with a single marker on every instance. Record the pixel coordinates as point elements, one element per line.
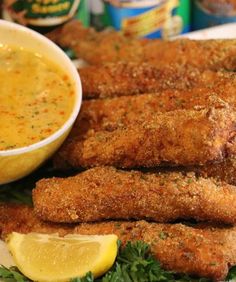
<point>17,163</point>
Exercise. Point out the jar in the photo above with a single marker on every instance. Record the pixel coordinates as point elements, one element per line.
<point>207,13</point>
<point>45,15</point>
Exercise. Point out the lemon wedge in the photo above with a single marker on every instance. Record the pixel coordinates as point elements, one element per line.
<point>44,258</point>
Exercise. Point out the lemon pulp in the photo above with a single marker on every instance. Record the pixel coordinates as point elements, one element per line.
<point>43,257</point>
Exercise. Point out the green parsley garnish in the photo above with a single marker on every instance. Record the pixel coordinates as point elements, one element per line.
<point>163,235</point>
<point>12,274</point>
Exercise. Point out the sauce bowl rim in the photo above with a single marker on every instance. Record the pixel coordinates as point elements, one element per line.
<point>75,78</point>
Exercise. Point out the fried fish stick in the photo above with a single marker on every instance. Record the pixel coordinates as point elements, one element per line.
<point>106,193</point>
<point>202,54</point>
<point>182,137</point>
<point>98,48</point>
<point>203,251</point>
<point>109,46</point>
<point>122,79</point>
<point>110,114</point>
<point>21,218</point>
<point>127,78</point>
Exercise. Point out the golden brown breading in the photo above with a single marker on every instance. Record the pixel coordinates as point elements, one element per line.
<point>122,79</point>
<point>99,48</point>
<point>203,54</point>
<point>110,114</point>
<point>203,251</point>
<point>21,218</point>
<point>104,193</point>
<point>223,171</point>
<point>183,137</point>
<point>128,78</point>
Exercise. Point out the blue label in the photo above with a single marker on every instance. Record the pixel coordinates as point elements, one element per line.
<point>155,19</point>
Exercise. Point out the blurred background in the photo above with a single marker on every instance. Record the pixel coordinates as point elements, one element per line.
<point>148,18</point>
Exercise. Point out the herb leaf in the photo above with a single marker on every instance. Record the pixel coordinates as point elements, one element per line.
<point>232,274</point>
<point>12,274</point>
<point>87,278</point>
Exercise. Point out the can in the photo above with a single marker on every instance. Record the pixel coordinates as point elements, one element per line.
<point>150,19</point>
<point>44,15</point>
<point>211,13</point>
<point>184,11</point>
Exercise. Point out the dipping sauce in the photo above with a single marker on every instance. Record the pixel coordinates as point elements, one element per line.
<point>36,97</point>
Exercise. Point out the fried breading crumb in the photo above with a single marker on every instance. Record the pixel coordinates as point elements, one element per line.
<point>181,137</point>
<point>105,193</point>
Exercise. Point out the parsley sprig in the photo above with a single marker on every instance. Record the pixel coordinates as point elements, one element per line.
<point>12,274</point>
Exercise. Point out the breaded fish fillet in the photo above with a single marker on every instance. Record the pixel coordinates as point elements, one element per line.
<point>182,137</point>
<point>102,47</point>
<point>21,218</point>
<point>204,251</point>
<point>104,193</point>
<point>122,79</point>
<point>110,114</point>
<point>115,47</point>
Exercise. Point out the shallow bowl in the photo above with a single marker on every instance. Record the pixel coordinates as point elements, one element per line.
<point>17,163</point>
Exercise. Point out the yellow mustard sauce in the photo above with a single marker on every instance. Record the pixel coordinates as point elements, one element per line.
<point>36,97</point>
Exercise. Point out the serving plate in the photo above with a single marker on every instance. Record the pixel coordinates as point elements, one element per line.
<point>5,258</point>
<point>219,32</point>
<point>225,31</point>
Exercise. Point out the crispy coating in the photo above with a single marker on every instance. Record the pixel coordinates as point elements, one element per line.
<point>202,54</point>
<point>104,193</point>
<point>98,48</point>
<point>110,114</point>
<point>182,137</point>
<point>223,171</point>
<point>21,218</point>
<point>103,47</point>
<point>204,251</point>
<point>122,79</point>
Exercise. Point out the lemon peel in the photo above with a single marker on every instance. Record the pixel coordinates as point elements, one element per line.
<point>50,258</point>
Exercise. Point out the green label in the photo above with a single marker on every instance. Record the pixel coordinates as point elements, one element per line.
<point>41,12</point>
